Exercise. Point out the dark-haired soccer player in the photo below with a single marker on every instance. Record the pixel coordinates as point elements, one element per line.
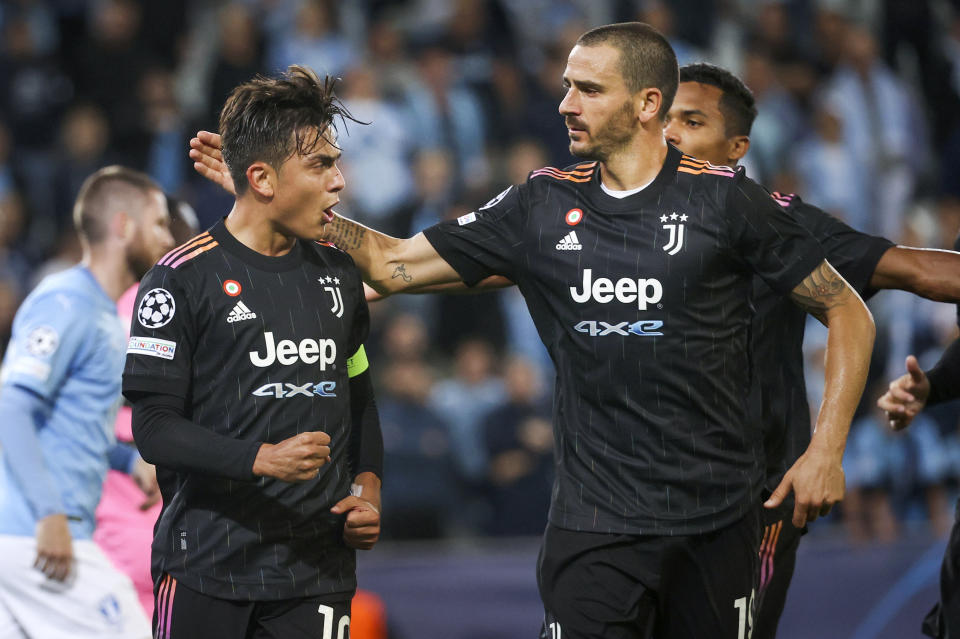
<point>636,268</point>
<point>256,397</point>
<point>711,119</point>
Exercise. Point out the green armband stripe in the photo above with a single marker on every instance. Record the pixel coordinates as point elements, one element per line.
<point>358,363</point>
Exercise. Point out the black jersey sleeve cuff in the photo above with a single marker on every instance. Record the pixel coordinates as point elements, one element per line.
<point>867,266</point>
<point>470,270</point>
<point>799,270</point>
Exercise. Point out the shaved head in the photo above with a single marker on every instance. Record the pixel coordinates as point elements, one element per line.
<point>111,190</point>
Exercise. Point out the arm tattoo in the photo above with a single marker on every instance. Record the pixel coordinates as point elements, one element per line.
<point>401,271</point>
<point>346,234</point>
<point>821,290</point>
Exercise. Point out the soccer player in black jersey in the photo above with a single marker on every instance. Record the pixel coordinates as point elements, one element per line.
<point>711,118</point>
<point>250,388</point>
<point>636,268</point>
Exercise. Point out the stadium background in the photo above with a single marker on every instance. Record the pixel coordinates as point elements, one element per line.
<point>859,113</point>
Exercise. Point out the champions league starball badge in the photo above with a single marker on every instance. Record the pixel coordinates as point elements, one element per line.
<point>156,308</point>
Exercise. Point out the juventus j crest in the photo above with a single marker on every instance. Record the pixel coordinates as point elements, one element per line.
<point>676,230</point>
<point>335,296</point>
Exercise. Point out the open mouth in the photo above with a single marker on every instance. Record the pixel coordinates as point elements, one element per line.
<point>328,214</point>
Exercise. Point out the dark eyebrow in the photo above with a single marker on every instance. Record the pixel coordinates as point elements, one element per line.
<point>689,112</point>
<point>584,85</point>
<point>317,158</point>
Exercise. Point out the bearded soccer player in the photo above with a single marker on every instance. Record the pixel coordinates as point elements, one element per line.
<point>636,267</point>
<point>253,399</point>
<point>60,392</point>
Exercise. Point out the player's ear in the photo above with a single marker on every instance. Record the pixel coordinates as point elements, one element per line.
<point>122,225</point>
<point>737,147</point>
<point>262,179</point>
<point>648,102</point>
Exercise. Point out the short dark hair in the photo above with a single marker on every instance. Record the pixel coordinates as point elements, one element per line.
<point>646,57</point>
<point>737,104</point>
<point>109,189</point>
<point>270,118</point>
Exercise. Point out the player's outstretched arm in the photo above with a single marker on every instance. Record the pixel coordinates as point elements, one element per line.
<point>491,283</point>
<point>907,395</point>
<point>930,273</point>
<point>388,264</point>
<point>817,476</point>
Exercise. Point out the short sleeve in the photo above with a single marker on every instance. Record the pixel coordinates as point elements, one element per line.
<point>162,338</point>
<point>855,255</point>
<point>775,245</point>
<point>485,242</point>
<point>48,334</point>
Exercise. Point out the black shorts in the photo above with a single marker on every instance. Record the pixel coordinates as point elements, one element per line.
<point>182,613</point>
<point>943,621</point>
<point>778,558</point>
<point>612,586</point>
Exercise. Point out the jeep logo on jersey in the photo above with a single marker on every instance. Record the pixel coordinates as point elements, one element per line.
<point>287,352</point>
<point>675,243</point>
<point>625,290</point>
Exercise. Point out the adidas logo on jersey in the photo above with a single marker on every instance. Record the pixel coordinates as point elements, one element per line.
<point>570,242</point>
<point>239,313</point>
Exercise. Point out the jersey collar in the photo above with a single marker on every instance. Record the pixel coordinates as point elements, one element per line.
<point>631,203</point>
<point>286,262</point>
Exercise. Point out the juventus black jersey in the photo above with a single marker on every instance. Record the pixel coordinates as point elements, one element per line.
<point>258,347</point>
<point>779,326</point>
<point>644,305</point>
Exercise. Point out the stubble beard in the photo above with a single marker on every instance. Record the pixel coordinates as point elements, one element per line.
<point>613,135</point>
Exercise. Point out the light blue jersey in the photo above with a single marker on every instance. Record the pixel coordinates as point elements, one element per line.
<point>67,348</point>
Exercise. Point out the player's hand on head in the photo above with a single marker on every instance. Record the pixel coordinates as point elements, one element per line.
<point>298,458</point>
<point>361,529</point>
<point>208,160</point>
<point>144,475</point>
<point>817,482</point>
<point>54,547</point>
<point>906,396</point>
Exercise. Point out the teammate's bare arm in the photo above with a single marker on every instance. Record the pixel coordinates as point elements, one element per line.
<point>491,283</point>
<point>817,477</point>
<point>930,273</point>
<point>388,264</point>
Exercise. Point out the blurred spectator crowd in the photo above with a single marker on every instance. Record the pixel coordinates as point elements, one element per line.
<point>859,113</point>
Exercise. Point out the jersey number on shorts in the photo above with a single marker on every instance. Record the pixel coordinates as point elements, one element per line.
<point>745,630</point>
<point>342,626</point>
